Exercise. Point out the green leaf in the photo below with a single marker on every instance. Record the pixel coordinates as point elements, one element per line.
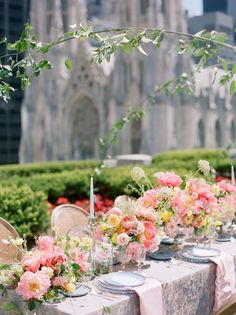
<point>232,87</point>
<point>68,64</point>
<point>199,52</point>
<point>31,305</point>
<point>1,286</point>
<point>75,266</point>
<point>44,49</point>
<point>234,69</point>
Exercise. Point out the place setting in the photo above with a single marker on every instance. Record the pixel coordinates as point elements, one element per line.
<point>123,282</point>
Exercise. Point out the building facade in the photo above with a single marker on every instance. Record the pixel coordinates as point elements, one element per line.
<point>13,15</point>
<point>65,113</point>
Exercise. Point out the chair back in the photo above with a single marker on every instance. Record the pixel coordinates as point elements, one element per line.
<point>64,217</point>
<point>125,202</point>
<point>8,253</point>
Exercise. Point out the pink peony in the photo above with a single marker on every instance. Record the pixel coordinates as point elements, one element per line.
<point>169,179</point>
<point>149,199</point>
<point>33,285</point>
<point>32,263</point>
<point>129,222</point>
<point>150,233</point>
<point>123,239</point>
<point>54,258</point>
<point>45,243</point>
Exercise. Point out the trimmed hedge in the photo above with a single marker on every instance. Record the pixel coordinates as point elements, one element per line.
<point>30,169</point>
<point>25,209</point>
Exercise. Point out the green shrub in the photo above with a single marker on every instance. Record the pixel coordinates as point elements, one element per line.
<point>30,169</point>
<point>26,210</point>
<point>190,156</point>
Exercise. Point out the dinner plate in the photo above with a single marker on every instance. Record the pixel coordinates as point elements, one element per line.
<point>204,252</point>
<point>187,256</point>
<point>80,291</point>
<point>167,241</point>
<point>114,289</point>
<point>124,279</point>
<point>223,238</point>
<point>162,255</point>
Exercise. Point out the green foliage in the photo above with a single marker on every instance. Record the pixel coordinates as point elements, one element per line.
<point>30,169</point>
<point>26,210</point>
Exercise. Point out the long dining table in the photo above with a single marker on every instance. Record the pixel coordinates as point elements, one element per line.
<point>188,288</point>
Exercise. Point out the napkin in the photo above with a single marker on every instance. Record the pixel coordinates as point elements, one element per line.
<point>225,279</point>
<point>150,297</point>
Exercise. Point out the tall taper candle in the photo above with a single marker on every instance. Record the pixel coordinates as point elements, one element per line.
<point>232,175</point>
<point>91,199</point>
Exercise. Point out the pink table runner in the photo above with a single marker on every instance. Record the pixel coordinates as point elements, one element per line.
<point>150,297</point>
<point>225,279</point>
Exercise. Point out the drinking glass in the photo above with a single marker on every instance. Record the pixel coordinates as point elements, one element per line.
<point>140,257</point>
<point>123,257</point>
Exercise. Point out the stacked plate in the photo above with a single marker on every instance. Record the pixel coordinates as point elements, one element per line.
<point>200,255</point>
<point>120,282</point>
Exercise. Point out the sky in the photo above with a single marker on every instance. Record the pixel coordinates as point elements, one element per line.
<point>194,7</point>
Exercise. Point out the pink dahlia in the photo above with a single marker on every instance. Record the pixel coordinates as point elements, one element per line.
<point>226,186</point>
<point>169,179</point>
<point>33,285</point>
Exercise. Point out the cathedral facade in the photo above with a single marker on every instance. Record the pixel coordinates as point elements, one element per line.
<point>65,113</point>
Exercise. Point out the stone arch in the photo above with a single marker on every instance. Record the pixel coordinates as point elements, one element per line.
<point>84,124</point>
<point>218,134</point>
<point>201,133</point>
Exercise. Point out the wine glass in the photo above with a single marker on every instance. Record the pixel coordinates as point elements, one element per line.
<point>140,257</point>
<point>123,257</point>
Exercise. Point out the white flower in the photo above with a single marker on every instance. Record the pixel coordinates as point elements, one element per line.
<point>137,173</point>
<point>18,241</point>
<point>48,271</point>
<point>204,166</point>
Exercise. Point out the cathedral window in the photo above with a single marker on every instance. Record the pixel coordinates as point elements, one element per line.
<point>143,6</point>
<point>201,133</point>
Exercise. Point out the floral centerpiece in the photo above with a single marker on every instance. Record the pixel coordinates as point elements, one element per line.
<point>47,271</point>
<point>158,199</point>
<point>130,229</point>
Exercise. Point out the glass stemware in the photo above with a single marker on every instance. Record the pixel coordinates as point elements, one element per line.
<point>123,257</point>
<point>140,257</point>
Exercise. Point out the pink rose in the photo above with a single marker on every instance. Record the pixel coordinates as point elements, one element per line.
<point>150,233</point>
<point>129,222</point>
<point>169,179</point>
<point>33,285</point>
<point>32,263</point>
<point>45,243</point>
<point>122,239</point>
<point>54,258</point>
